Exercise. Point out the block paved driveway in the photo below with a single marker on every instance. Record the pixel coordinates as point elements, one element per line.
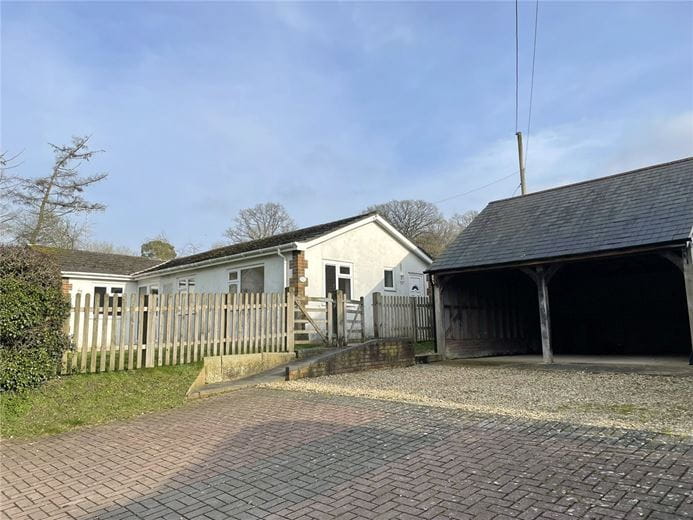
<point>261,453</point>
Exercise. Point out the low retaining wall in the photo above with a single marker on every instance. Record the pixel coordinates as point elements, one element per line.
<point>228,368</point>
<point>379,353</point>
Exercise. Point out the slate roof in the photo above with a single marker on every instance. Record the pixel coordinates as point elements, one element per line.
<point>648,206</point>
<point>282,239</point>
<point>91,262</point>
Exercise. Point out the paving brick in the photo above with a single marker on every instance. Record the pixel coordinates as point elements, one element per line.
<point>284,455</point>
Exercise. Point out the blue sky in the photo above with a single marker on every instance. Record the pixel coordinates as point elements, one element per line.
<point>207,108</point>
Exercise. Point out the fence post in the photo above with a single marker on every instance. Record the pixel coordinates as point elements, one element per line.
<point>290,304</point>
<point>341,319</point>
<point>363,319</point>
<point>414,322</point>
<point>151,332</point>
<point>377,311</point>
<point>329,309</point>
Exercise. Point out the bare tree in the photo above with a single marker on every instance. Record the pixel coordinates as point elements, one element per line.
<point>462,220</point>
<point>444,232</point>
<point>412,218</point>
<point>59,194</point>
<point>55,231</point>
<point>423,223</point>
<point>8,184</point>
<point>261,221</point>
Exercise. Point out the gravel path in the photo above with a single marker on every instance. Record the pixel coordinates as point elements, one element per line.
<point>632,401</point>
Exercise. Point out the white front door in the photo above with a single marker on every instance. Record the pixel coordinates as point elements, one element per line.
<point>416,284</point>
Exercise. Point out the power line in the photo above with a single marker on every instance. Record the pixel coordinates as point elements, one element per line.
<point>531,86</point>
<point>475,189</point>
<point>517,66</point>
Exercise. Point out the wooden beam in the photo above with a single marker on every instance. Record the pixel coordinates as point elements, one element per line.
<point>438,311</point>
<point>688,281</point>
<point>675,258</point>
<point>544,314</point>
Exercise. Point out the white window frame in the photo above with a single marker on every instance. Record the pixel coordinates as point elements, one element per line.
<point>392,288</point>
<point>339,275</point>
<point>239,270</point>
<point>186,285</point>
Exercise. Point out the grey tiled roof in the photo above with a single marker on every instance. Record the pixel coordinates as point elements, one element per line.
<point>299,235</point>
<point>652,205</point>
<point>91,262</point>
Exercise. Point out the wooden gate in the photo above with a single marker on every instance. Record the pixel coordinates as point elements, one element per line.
<point>331,321</point>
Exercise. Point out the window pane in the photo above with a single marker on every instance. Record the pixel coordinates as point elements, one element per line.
<point>182,284</point>
<point>233,288</point>
<point>191,282</point>
<point>345,285</point>
<point>389,279</point>
<point>330,279</point>
<point>344,269</point>
<point>233,275</point>
<point>253,280</point>
<point>154,290</point>
<point>116,290</point>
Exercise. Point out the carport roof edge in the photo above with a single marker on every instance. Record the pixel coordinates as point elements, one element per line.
<point>635,209</point>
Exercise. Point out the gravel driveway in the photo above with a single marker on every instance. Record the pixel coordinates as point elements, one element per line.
<point>622,400</point>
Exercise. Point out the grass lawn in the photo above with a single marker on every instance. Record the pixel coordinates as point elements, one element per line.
<point>88,399</point>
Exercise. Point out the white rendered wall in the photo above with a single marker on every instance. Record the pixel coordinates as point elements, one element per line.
<point>214,279</point>
<point>370,249</point>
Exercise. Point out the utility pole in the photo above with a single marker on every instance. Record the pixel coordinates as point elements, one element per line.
<point>523,185</point>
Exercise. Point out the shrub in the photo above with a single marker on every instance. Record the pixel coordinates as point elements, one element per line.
<point>32,312</point>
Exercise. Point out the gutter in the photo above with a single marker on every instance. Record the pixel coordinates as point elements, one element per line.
<point>141,275</point>
<point>97,276</point>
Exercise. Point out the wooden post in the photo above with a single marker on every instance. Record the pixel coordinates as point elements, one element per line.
<point>688,281</point>
<point>377,313</point>
<point>75,333</point>
<point>151,331</point>
<point>413,321</point>
<point>95,333</point>
<point>438,315</point>
<point>544,314</point>
<point>329,308</point>
<point>85,334</point>
<point>290,321</point>
<point>341,319</point>
<point>520,151</point>
<point>362,305</point>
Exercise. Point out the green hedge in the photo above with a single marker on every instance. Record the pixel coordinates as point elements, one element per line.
<point>32,312</point>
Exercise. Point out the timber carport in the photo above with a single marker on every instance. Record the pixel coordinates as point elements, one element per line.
<point>599,267</point>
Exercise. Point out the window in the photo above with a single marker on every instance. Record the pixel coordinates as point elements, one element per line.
<point>186,285</point>
<point>248,280</point>
<point>338,277</point>
<point>100,296</point>
<point>253,279</point>
<point>234,282</point>
<point>116,299</point>
<point>389,280</point>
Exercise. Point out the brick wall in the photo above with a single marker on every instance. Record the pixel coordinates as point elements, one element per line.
<point>384,353</point>
<point>298,265</point>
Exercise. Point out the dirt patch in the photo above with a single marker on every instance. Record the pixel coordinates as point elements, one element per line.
<point>611,399</point>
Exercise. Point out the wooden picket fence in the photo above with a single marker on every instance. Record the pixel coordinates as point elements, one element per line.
<point>130,331</point>
<point>403,317</point>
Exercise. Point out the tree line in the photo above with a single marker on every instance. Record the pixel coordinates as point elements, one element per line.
<point>46,210</point>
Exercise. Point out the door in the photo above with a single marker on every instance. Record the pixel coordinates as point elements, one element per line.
<point>417,285</point>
